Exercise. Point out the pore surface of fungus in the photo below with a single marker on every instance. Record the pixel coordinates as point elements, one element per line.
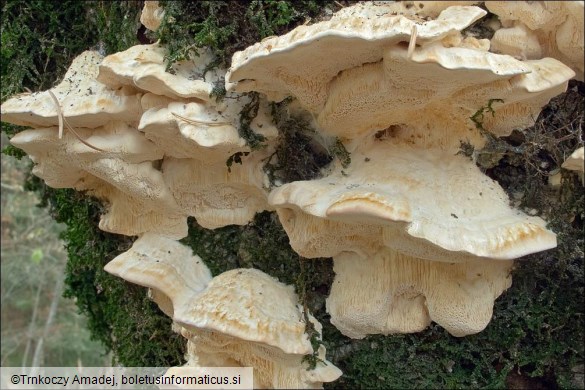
<point>394,293</point>
<point>215,194</point>
<point>434,94</point>
<point>121,173</point>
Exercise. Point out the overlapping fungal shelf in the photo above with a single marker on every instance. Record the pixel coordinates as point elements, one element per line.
<point>417,232</point>
<point>407,203</point>
<point>150,144</point>
<point>240,318</point>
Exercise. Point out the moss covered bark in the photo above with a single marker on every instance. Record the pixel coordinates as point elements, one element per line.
<point>537,330</point>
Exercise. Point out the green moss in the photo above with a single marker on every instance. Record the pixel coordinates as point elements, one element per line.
<point>479,115</point>
<point>41,37</point>
<point>247,115</point>
<point>115,24</point>
<point>261,244</point>
<point>302,284</point>
<point>218,92</point>
<point>299,155</point>
<point>339,151</point>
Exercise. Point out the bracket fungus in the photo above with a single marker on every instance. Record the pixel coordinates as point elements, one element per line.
<point>302,62</point>
<point>231,319</point>
<point>129,105</point>
<point>121,173</point>
<point>152,15</point>
<point>142,67</point>
<point>217,195</point>
<point>83,101</point>
<point>417,231</point>
<point>440,200</point>
<point>575,161</point>
<point>205,131</point>
<point>190,130</point>
<point>448,85</point>
<point>556,26</point>
<point>165,266</point>
<point>403,97</point>
<point>236,319</point>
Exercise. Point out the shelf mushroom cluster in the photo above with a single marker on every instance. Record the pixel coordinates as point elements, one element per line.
<point>230,320</point>
<point>152,145</point>
<point>417,232</point>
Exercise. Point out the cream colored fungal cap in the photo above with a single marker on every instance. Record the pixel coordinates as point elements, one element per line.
<point>518,41</point>
<point>303,62</point>
<point>143,67</point>
<point>166,266</point>
<point>151,15</point>
<point>417,10</point>
<point>392,293</point>
<point>425,203</point>
<point>83,101</point>
<point>273,368</point>
<point>430,97</point>
<point>116,141</point>
<point>433,9</point>
<point>535,15</point>
<point>215,194</point>
<point>122,173</point>
<point>203,131</point>
<point>230,320</point>
<point>250,305</point>
<point>575,161</point>
<point>558,26</point>
<point>150,100</point>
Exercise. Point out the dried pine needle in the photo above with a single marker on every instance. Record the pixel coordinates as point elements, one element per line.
<point>412,43</point>
<point>196,122</point>
<point>59,112</point>
<point>62,120</point>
